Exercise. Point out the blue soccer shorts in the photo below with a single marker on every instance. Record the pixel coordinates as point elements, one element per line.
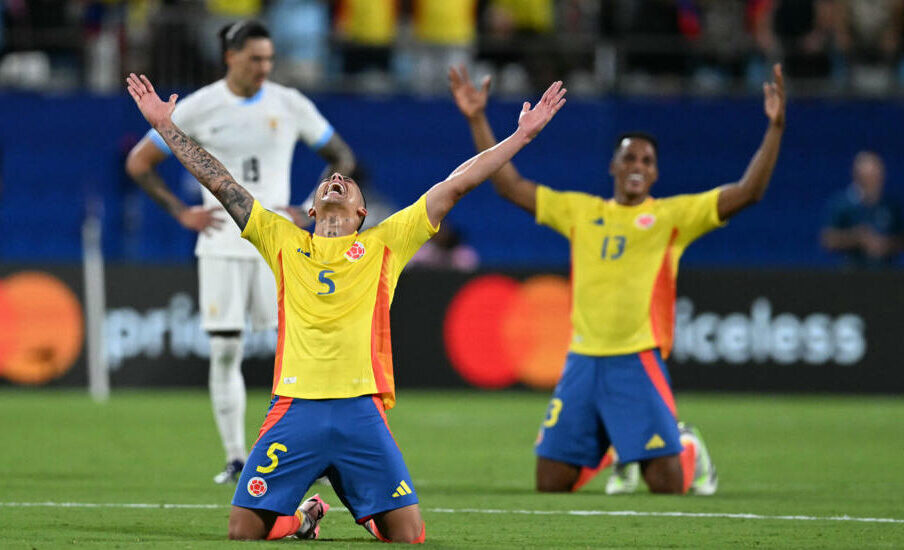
<point>347,440</point>
<point>623,400</point>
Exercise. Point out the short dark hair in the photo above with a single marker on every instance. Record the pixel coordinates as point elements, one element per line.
<point>637,135</point>
<point>234,35</point>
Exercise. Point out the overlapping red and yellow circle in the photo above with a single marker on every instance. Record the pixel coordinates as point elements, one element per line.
<point>499,331</point>
<point>41,328</point>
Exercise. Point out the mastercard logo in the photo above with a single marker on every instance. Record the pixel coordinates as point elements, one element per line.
<point>41,328</point>
<point>499,331</point>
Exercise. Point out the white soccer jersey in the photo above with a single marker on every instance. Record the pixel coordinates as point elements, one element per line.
<point>254,138</point>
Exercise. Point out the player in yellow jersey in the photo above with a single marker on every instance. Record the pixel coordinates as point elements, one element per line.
<point>332,377</point>
<point>615,388</point>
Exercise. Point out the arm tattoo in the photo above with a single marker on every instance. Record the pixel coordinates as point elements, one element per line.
<point>211,173</point>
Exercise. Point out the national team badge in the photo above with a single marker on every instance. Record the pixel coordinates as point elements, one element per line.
<point>645,221</point>
<point>274,123</point>
<point>355,253</point>
<point>257,486</point>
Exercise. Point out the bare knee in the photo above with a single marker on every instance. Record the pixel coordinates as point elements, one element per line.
<point>401,525</point>
<point>664,475</point>
<point>556,477</point>
<point>247,524</point>
<point>409,532</point>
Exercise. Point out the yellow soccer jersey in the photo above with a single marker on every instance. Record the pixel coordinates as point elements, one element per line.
<point>334,296</point>
<point>624,262</point>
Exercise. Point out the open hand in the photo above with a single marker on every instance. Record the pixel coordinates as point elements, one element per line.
<point>200,219</point>
<point>774,97</point>
<point>469,100</point>
<point>155,111</point>
<point>531,121</point>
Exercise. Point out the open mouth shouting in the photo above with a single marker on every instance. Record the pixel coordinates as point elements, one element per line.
<point>334,190</point>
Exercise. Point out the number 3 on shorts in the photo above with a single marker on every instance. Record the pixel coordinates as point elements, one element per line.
<point>552,414</point>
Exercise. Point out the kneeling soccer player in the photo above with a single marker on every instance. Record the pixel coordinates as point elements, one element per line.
<point>332,377</point>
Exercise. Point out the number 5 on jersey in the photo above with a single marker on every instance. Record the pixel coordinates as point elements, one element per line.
<point>330,284</point>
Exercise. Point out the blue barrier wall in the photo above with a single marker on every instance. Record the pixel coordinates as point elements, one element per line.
<point>58,152</point>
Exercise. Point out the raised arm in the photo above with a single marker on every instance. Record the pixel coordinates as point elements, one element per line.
<point>201,164</point>
<point>472,103</point>
<point>752,186</point>
<point>443,196</point>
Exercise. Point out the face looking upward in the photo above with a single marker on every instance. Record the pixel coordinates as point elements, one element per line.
<point>340,197</point>
<point>634,169</point>
<point>250,66</point>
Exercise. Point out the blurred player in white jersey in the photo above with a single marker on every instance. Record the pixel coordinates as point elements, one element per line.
<point>251,125</point>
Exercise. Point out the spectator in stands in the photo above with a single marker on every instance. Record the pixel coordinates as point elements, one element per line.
<point>367,30</point>
<point>868,32</point>
<point>723,39</point>
<point>445,33</point>
<point>653,37</point>
<point>801,33</point>
<point>519,39</point>
<point>446,251</point>
<point>300,32</point>
<point>863,225</point>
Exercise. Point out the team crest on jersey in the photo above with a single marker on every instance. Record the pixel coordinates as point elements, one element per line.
<point>645,221</point>
<point>257,486</point>
<point>355,253</point>
<point>274,123</point>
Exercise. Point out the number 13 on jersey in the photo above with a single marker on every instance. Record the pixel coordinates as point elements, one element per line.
<point>613,247</point>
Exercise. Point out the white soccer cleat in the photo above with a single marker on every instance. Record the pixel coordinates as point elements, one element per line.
<point>230,473</point>
<point>309,514</point>
<point>706,480</point>
<point>624,479</point>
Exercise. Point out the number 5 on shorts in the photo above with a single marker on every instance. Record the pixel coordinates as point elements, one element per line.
<point>552,414</point>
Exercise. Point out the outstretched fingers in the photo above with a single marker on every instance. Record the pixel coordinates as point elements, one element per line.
<point>137,84</point>
<point>147,83</point>
<point>551,92</point>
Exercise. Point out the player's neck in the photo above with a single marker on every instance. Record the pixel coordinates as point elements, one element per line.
<point>239,90</point>
<point>628,200</point>
<point>334,225</point>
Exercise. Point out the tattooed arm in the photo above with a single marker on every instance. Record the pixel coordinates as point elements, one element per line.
<point>141,165</point>
<point>201,164</point>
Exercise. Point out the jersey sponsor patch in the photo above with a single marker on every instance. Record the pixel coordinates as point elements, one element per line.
<point>645,221</point>
<point>257,486</point>
<point>355,253</point>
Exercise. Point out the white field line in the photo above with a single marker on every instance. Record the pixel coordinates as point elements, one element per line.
<point>614,513</point>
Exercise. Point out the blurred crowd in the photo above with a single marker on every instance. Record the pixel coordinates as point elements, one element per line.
<point>375,46</point>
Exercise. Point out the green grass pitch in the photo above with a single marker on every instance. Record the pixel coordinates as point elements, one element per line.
<point>470,455</point>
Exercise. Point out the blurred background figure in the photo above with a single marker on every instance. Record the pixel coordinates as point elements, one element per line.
<point>300,30</point>
<point>863,224</point>
<point>868,33</point>
<point>446,250</point>
<point>366,33</point>
<point>801,33</point>
<point>445,32</point>
<point>518,39</point>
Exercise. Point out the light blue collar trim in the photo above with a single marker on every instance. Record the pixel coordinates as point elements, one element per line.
<point>255,98</point>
